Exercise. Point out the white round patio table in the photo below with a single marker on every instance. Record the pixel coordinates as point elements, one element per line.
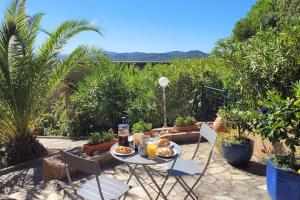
<point>137,160</point>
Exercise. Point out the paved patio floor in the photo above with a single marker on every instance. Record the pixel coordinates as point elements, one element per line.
<point>221,182</point>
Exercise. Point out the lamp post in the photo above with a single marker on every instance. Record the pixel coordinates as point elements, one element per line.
<point>163,82</point>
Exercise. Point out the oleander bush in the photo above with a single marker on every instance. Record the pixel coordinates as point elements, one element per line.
<point>263,52</point>
<point>100,100</point>
<point>111,90</point>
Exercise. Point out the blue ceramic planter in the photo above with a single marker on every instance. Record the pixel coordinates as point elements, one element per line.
<point>237,154</point>
<point>282,184</point>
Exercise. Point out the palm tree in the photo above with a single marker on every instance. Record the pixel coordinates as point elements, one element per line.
<point>29,73</point>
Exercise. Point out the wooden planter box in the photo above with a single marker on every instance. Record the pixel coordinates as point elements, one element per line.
<point>189,128</point>
<point>55,169</point>
<point>89,149</point>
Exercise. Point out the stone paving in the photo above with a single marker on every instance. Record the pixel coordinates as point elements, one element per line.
<point>221,182</point>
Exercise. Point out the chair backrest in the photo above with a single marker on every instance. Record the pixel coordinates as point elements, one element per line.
<point>208,133</point>
<point>81,164</point>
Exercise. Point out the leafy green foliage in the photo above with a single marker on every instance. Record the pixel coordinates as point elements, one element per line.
<point>185,121</point>
<point>282,121</point>
<point>29,72</point>
<point>267,14</point>
<point>110,89</point>
<point>239,119</point>
<point>57,121</point>
<point>141,126</point>
<point>258,64</point>
<point>101,99</point>
<point>184,75</point>
<point>97,137</point>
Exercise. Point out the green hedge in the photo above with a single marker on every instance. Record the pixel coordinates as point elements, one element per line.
<point>111,89</point>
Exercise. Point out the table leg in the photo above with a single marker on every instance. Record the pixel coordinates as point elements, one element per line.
<point>155,183</point>
<point>131,174</point>
<point>138,179</point>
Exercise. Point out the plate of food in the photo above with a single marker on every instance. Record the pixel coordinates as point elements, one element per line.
<point>166,152</point>
<point>123,151</point>
<point>163,142</point>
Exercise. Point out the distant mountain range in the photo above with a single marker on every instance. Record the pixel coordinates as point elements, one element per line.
<point>141,56</point>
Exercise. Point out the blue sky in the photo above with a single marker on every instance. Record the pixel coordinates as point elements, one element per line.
<point>145,25</point>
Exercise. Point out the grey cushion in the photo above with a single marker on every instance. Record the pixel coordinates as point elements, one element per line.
<point>111,189</point>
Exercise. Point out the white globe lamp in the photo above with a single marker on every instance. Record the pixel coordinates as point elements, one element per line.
<point>163,82</point>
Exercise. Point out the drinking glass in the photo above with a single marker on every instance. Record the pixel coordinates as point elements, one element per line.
<point>151,150</point>
<point>137,139</point>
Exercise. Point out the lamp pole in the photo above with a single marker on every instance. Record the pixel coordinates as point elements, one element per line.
<point>163,82</point>
<point>165,108</point>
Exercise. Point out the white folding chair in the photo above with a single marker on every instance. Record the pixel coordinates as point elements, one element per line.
<point>184,167</point>
<point>100,187</point>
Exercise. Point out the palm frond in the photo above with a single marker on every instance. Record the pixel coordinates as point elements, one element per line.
<point>62,34</point>
<point>27,77</point>
<point>45,85</point>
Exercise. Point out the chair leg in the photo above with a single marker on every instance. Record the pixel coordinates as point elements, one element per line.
<point>171,188</point>
<point>69,178</point>
<point>195,184</point>
<point>185,188</point>
<point>183,181</point>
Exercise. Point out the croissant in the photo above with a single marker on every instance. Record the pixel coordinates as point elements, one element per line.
<point>165,152</point>
<point>123,150</point>
<point>163,142</point>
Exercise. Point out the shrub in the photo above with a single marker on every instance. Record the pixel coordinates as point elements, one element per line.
<point>141,126</point>
<point>239,121</point>
<point>56,121</point>
<point>185,121</point>
<point>281,122</point>
<point>110,89</point>
<point>100,100</point>
<point>185,76</point>
<point>97,137</point>
<point>258,64</point>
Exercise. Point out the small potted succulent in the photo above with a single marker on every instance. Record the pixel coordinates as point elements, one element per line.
<point>185,124</point>
<point>236,148</point>
<point>99,142</point>
<point>281,123</point>
<point>144,127</point>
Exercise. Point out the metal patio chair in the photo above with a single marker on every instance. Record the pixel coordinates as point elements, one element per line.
<point>184,167</point>
<point>97,188</point>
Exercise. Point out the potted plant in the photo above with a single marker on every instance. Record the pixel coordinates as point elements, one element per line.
<point>237,149</point>
<point>218,125</point>
<point>185,124</point>
<point>99,142</point>
<point>144,127</point>
<point>281,123</point>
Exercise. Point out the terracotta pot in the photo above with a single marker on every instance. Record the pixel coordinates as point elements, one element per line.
<point>89,149</point>
<point>150,133</point>
<point>219,127</point>
<point>188,128</point>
